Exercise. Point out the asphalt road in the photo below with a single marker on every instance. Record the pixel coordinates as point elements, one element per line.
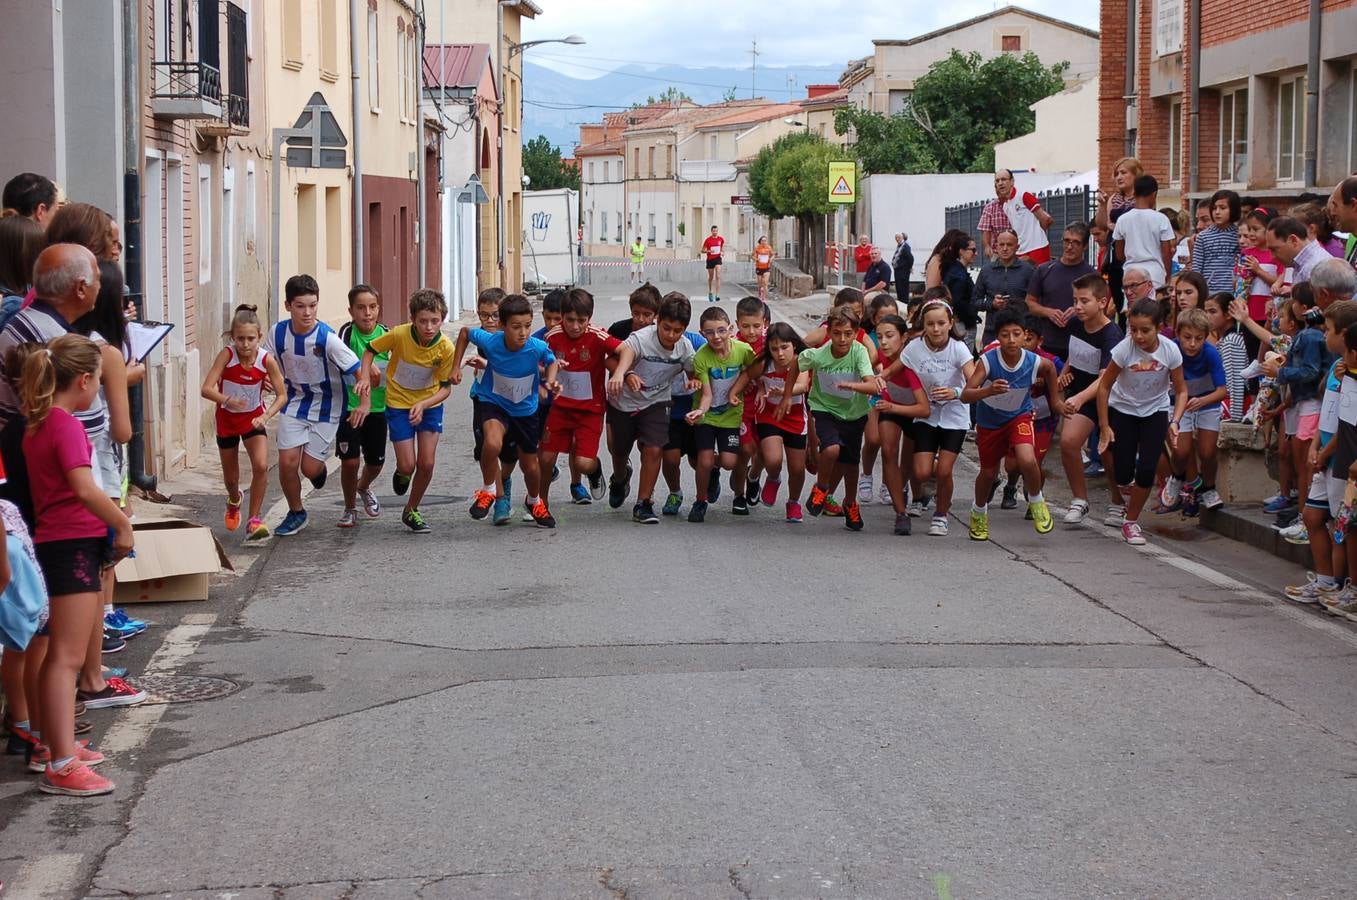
<point>737,709</point>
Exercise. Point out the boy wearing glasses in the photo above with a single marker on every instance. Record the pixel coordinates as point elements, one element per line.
<point>717,413</point>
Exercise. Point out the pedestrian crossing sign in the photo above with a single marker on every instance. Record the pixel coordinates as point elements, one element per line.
<point>843,182</point>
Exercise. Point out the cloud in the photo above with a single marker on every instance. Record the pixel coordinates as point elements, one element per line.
<point>793,32</point>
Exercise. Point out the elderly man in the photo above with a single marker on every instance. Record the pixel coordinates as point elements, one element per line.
<point>1137,284</point>
<point>1002,280</point>
<point>878,274</point>
<point>1020,213</point>
<point>1332,280</point>
<point>1290,242</point>
<point>1050,295</point>
<point>903,265</point>
<point>1342,208</point>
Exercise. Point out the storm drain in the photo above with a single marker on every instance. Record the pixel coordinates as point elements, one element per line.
<point>184,688</point>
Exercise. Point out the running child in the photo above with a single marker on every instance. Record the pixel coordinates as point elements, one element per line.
<point>508,394</point>
<point>316,365</point>
<point>882,305</point>
<point>235,383</point>
<point>683,439</point>
<point>419,379</point>
<point>366,444</point>
<point>1045,418</point>
<point>487,311</point>
<point>1199,430</point>
<point>780,437</point>
<point>719,411</point>
<point>1092,338</point>
<point>639,390</point>
<point>551,312</point>
<point>763,265</point>
<point>1001,387</point>
<point>574,424</point>
<point>1134,414</point>
<point>752,318</point>
<point>644,304</point>
<point>551,317</point>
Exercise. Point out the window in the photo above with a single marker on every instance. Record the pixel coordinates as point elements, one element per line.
<point>400,70</point>
<point>650,233</point>
<point>329,39</point>
<point>1010,43</point>
<point>1291,128</point>
<point>636,163</point>
<point>669,229</point>
<point>619,227</point>
<point>1175,142</point>
<point>374,56</point>
<point>204,224</point>
<point>713,147</point>
<point>651,154</point>
<point>412,73</point>
<point>668,161</point>
<point>306,228</point>
<point>334,234</point>
<point>249,205</point>
<point>292,33</point>
<point>1352,119</point>
<point>593,235</point>
<point>602,226</point>
<point>591,172</point>
<point>1234,136</point>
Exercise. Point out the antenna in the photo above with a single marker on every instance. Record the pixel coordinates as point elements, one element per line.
<point>753,69</point>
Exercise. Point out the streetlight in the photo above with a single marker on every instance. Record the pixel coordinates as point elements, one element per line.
<point>515,49</point>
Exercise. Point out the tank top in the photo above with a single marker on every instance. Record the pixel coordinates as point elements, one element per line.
<point>795,420</point>
<point>239,380</point>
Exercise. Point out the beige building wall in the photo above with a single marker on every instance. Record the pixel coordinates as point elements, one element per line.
<point>652,161</point>
<point>1066,136</point>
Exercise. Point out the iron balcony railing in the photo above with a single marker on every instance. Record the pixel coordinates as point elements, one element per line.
<point>177,79</point>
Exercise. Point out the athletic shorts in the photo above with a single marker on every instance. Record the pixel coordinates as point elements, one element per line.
<point>932,439</point>
<point>994,443</point>
<point>713,262</point>
<point>398,423</point>
<point>368,440</point>
<point>576,431</point>
<point>1291,420</point>
<point>1336,488</point>
<point>524,431</point>
<point>507,453</point>
<point>1089,411</point>
<point>790,440</point>
<point>832,431</point>
<point>748,438</point>
<point>314,438</point>
<point>711,437</point>
<point>904,423</point>
<point>73,566</point>
<point>232,441</point>
<point>1307,426</point>
<point>1317,497</point>
<point>682,437</point>
<point>647,428</point>
<point>1204,420</point>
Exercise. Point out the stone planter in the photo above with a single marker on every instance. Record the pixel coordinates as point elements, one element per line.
<point>1248,470</point>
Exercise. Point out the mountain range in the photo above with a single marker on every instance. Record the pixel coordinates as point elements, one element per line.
<point>555,104</point>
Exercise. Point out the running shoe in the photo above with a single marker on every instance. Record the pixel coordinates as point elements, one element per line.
<point>75,780</point>
<point>1295,534</point>
<point>125,629</point>
<point>41,756</point>
<point>1131,532</point>
<point>619,487</point>
<point>349,519</point>
<point>256,530</point>
<point>597,487</point>
<point>768,496</point>
<point>1010,498</point>
<point>644,513</point>
<point>1210,499</point>
<point>673,504</point>
<point>979,525</point>
<point>21,742</point>
<point>1278,502</point>
<point>714,486</point>
<point>832,508</point>
<point>1041,516</point>
<point>121,617</point>
<point>752,490</point>
<point>739,506</point>
<point>503,511</point>
<point>112,643</point>
<point>555,473</point>
<point>370,504</point>
<point>509,488</point>
<point>938,527</point>
<point>1312,591</point>
<point>481,503</point>
<point>884,494</point>
<point>865,489</point>
<point>542,516</point>
<point>293,522</point>
<point>818,498</point>
<point>413,519</point>
<point>232,516</point>
<point>698,511</point>
<point>915,510</point>
<point>111,672</point>
<point>580,496</point>
<point>852,517</point>
<point>116,692</point>
<point>903,526</point>
<point>793,512</point>
<point>1094,469</point>
<point>400,483</point>
<point>1116,516</point>
<point>1173,486</point>
<point>1078,509</point>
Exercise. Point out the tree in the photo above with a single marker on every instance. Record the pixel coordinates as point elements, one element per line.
<point>790,178</point>
<point>958,111</point>
<point>545,170</point>
<point>671,95</point>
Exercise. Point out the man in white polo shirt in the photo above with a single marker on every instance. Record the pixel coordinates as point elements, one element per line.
<point>1019,212</point>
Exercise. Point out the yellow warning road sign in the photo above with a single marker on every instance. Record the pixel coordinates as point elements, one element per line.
<point>843,178</point>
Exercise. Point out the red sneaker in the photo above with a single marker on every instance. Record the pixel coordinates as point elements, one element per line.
<point>41,756</point>
<point>76,780</point>
<point>769,496</point>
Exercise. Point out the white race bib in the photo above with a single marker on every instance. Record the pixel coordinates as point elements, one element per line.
<point>898,393</point>
<point>832,383</point>
<point>252,394</point>
<point>515,390</point>
<point>1147,386</point>
<point>412,377</point>
<point>305,368</point>
<point>380,365</point>
<point>775,386</point>
<point>1328,412</point>
<point>1347,404</point>
<point>576,385</point>
<point>1010,400</point>
<point>720,391</point>
<point>653,373</point>
<point>1084,356</point>
<point>1041,407</point>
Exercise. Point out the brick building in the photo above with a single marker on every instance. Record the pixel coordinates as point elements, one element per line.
<point>1253,68</point>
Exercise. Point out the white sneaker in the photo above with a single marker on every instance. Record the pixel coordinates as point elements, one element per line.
<point>915,510</point>
<point>865,491</point>
<point>938,527</point>
<point>371,506</point>
<point>1211,499</point>
<point>1295,533</point>
<point>1075,514</point>
<point>1173,486</point>
<point>1311,591</point>
<point>1116,517</point>
<point>884,494</point>
<point>1131,531</point>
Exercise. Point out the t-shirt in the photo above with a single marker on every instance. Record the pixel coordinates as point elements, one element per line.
<point>999,410</point>
<point>1328,409</point>
<point>1345,453</point>
<point>358,343</point>
<point>1214,254</point>
<point>1144,231</point>
<point>720,372</point>
<point>1053,286</point>
<point>57,447</point>
<point>763,257</point>
<point>1088,354</point>
<point>901,386</point>
<point>657,366</point>
<point>713,246</point>
<point>1204,373</point>
<point>828,375</point>
<point>1142,388</point>
<point>621,329</point>
<point>582,370</point>
<point>772,384</point>
<point>941,368</point>
<point>1260,292</point>
<point>878,272</point>
<point>314,367</point>
<point>416,371</point>
<point>681,396</point>
<point>511,376</point>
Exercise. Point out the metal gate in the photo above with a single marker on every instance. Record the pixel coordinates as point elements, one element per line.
<point>1072,205</point>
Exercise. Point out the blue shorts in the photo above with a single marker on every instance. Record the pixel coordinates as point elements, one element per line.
<point>398,422</point>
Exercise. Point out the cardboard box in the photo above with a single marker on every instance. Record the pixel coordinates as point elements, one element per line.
<point>175,561</point>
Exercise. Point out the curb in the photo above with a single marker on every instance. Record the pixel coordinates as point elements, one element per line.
<point>1250,525</point>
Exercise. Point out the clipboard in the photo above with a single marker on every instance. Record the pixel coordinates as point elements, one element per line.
<point>143,337</point>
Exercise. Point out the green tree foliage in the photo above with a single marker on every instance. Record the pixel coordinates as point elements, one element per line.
<point>544,168</point>
<point>790,177</point>
<point>670,94</point>
<point>958,111</point>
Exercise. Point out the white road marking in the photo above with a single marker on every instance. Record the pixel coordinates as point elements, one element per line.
<point>51,875</point>
<point>134,726</point>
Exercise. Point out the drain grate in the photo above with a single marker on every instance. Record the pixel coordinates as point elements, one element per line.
<point>184,688</point>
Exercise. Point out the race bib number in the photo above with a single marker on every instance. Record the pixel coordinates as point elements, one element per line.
<point>720,391</point>
<point>1347,405</point>
<point>252,394</point>
<point>898,393</point>
<point>576,385</point>
<point>413,377</point>
<point>1041,407</point>
<point>381,365</point>
<point>1328,412</point>
<point>1010,400</point>
<point>1200,386</point>
<point>515,390</point>
<point>832,383</point>
<point>304,368</point>
<point>653,372</point>
<point>1084,356</point>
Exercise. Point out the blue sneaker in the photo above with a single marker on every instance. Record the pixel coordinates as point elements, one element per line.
<point>1277,503</point>
<point>579,494</point>
<point>673,504</point>
<point>502,513</point>
<point>293,522</point>
<point>508,489</point>
<point>123,629</point>
<point>122,618</point>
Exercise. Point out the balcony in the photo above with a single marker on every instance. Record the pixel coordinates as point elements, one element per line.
<point>186,89</point>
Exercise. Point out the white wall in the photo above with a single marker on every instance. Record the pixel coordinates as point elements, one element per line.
<point>1066,136</point>
<point>549,245</point>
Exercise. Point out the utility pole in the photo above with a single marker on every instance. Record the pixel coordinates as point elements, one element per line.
<point>753,69</point>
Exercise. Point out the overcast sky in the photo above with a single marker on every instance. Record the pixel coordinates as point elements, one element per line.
<point>789,32</point>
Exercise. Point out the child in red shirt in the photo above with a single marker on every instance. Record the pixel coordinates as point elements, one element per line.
<point>784,437</point>
<point>752,318</point>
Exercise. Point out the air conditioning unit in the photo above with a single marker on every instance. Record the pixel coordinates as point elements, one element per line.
<point>1132,116</point>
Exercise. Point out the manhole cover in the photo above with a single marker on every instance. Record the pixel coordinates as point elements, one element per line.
<point>183,688</point>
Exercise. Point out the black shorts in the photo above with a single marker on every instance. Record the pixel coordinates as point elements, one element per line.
<point>1090,411</point>
<point>233,441</point>
<point>904,423</point>
<point>368,441</point>
<point>682,437</point>
<point>524,433</point>
<point>934,438</point>
<point>790,440</point>
<point>722,440</point>
<point>713,262</point>
<point>846,434</point>
<point>74,566</point>
<point>507,453</point>
<point>647,428</point>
